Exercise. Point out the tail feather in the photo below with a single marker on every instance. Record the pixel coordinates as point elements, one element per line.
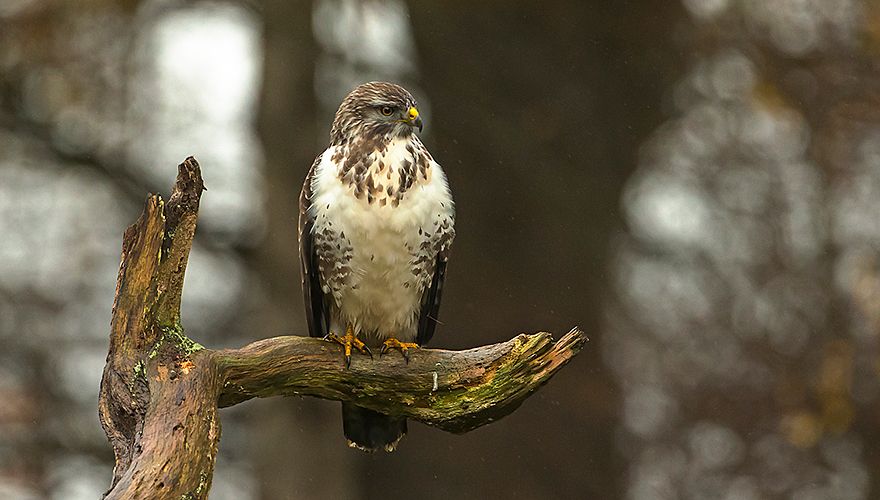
<point>369,431</point>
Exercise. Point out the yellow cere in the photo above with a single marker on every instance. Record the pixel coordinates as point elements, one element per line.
<point>413,113</point>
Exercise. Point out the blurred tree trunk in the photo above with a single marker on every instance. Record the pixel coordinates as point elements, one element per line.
<point>568,71</point>
<point>288,461</point>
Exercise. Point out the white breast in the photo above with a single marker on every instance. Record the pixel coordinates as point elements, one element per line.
<point>381,293</point>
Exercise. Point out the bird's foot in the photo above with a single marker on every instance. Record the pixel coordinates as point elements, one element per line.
<point>348,341</point>
<point>393,343</point>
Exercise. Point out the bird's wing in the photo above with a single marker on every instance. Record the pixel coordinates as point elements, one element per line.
<point>428,317</point>
<point>431,302</point>
<point>317,312</point>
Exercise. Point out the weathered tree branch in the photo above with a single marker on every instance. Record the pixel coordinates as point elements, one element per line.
<point>161,391</point>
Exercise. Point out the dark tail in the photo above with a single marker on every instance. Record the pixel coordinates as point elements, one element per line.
<point>368,430</point>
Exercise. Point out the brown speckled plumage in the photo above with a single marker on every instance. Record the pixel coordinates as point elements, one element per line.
<point>360,141</point>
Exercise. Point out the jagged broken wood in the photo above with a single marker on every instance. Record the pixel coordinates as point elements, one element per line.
<point>161,391</point>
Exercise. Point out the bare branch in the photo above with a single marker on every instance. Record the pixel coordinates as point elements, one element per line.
<point>455,391</point>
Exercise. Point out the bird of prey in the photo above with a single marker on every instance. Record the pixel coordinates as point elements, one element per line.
<point>375,229</point>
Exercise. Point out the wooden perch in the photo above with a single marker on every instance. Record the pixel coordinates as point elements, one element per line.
<point>161,391</point>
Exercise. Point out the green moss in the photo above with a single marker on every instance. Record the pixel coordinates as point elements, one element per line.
<point>174,334</point>
<point>200,489</point>
<point>503,375</point>
<point>140,374</point>
<point>155,351</point>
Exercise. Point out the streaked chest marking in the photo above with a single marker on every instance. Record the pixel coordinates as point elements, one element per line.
<point>380,223</point>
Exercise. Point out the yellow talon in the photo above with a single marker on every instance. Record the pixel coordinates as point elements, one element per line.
<point>393,343</point>
<point>347,341</point>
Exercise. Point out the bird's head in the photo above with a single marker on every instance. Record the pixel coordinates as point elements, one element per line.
<point>375,110</point>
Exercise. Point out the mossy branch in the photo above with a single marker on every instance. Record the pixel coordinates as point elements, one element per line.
<point>161,391</point>
<point>456,391</point>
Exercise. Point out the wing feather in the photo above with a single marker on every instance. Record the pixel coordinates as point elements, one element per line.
<point>429,314</point>
<point>431,302</point>
<point>317,312</point>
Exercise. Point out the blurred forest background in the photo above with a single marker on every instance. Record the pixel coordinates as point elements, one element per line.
<point>696,183</point>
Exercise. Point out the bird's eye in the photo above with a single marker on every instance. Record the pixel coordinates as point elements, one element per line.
<point>386,110</point>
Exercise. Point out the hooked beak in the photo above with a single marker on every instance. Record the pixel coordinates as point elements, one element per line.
<point>413,118</point>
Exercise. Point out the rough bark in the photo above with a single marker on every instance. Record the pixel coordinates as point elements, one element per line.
<point>161,391</point>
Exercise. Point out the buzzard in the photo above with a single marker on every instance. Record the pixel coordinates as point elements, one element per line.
<point>375,229</point>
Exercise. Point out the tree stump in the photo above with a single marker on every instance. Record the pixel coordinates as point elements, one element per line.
<point>161,391</point>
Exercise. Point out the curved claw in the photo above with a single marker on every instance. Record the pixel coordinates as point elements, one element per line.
<point>348,341</point>
<point>404,347</point>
